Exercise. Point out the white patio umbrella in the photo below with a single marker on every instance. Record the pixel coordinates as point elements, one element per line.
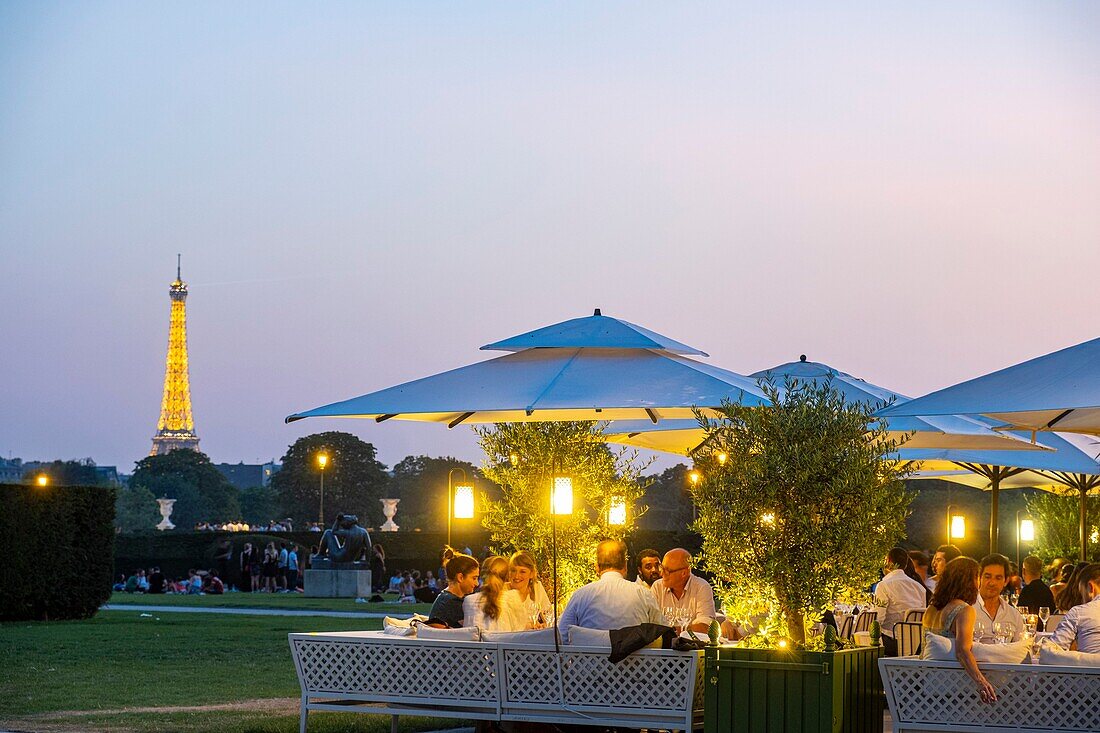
<point>942,431</point>
<point>1059,391</point>
<point>594,368</point>
<point>1067,465</point>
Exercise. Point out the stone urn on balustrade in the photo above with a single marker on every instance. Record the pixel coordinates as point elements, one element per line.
<point>165,512</point>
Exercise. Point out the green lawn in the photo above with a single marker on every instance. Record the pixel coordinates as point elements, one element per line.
<point>270,600</point>
<point>119,661</point>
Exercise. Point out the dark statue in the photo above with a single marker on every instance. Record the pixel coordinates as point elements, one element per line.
<point>344,542</point>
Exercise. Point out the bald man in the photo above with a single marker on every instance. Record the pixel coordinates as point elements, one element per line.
<point>684,590</point>
<point>612,602</point>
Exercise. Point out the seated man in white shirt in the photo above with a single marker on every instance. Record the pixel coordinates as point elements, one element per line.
<point>991,608</point>
<point>898,593</point>
<point>612,602</point>
<point>681,589</point>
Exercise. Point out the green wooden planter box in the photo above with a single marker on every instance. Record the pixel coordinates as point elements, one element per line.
<point>772,691</point>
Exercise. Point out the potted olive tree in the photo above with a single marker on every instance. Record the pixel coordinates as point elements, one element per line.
<point>798,504</point>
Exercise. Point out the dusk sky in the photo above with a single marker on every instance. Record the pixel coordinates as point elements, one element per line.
<point>365,193</point>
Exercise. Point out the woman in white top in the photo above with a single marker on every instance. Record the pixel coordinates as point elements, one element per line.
<point>496,607</point>
<point>1081,625</point>
<point>523,577</point>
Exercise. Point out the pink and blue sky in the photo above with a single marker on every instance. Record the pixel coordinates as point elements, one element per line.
<point>365,193</point>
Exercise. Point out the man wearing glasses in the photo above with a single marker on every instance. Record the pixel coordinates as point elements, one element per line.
<point>681,589</point>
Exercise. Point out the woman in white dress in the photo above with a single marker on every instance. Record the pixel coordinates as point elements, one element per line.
<point>523,577</point>
<point>496,607</point>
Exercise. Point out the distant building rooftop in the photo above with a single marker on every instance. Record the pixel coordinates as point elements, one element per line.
<point>246,475</point>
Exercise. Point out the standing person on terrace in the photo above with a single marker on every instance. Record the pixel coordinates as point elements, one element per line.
<point>991,608</point>
<point>683,590</point>
<point>462,575</point>
<point>899,593</point>
<point>951,614</point>
<point>1081,626</point>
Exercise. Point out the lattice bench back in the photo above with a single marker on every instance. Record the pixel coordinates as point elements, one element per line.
<point>650,689</point>
<point>933,695</point>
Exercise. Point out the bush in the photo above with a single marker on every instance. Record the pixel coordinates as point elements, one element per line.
<point>57,543</point>
<point>174,552</point>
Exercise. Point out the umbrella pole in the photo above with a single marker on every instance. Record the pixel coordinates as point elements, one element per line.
<point>994,487</point>
<point>1083,512</point>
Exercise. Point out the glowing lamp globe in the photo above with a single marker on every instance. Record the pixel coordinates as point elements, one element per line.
<point>561,495</point>
<point>464,502</point>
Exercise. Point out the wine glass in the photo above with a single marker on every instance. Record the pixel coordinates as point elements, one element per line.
<point>979,631</point>
<point>1044,614</point>
<point>1001,632</point>
<point>533,613</point>
<point>1031,622</point>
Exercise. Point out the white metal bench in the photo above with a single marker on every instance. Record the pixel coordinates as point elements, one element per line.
<point>926,695</point>
<point>371,672</point>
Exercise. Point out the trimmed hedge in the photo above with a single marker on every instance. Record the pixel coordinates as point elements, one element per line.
<point>175,552</point>
<point>57,544</point>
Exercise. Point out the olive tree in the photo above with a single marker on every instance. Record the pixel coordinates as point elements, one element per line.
<point>522,458</point>
<point>798,503</point>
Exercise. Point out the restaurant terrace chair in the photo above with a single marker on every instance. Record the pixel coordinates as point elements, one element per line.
<point>844,631</point>
<point>1053,621</point>
<point>909,637</point>
<point>864,621</point>
<point>914,616</point>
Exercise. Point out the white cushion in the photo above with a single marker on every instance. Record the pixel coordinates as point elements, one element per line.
<point>943,648</point>
<point>580,636</point>
<point>466,633</point>
<point>536,637</point>
<point>1057,656</point>
<point>398,630</point>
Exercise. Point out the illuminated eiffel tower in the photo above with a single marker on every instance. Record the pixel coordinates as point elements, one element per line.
<point>176,428</point>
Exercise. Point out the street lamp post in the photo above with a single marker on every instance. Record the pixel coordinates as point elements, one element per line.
<point>694,476</point>
<point>322,461</point>
<point>1025,532</point>
<point>561,503</point>
<point>956,524</point>
<point>462,490</point>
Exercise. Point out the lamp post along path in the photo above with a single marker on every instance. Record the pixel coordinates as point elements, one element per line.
<point>460,499</point>
<point>322,461</point>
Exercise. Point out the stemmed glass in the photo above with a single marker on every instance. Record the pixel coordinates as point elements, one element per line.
<point>979,631</point>
<point>1044,614</point>
<point>533,612</point>
<point>672,615</point>
<point>1002,632</point>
